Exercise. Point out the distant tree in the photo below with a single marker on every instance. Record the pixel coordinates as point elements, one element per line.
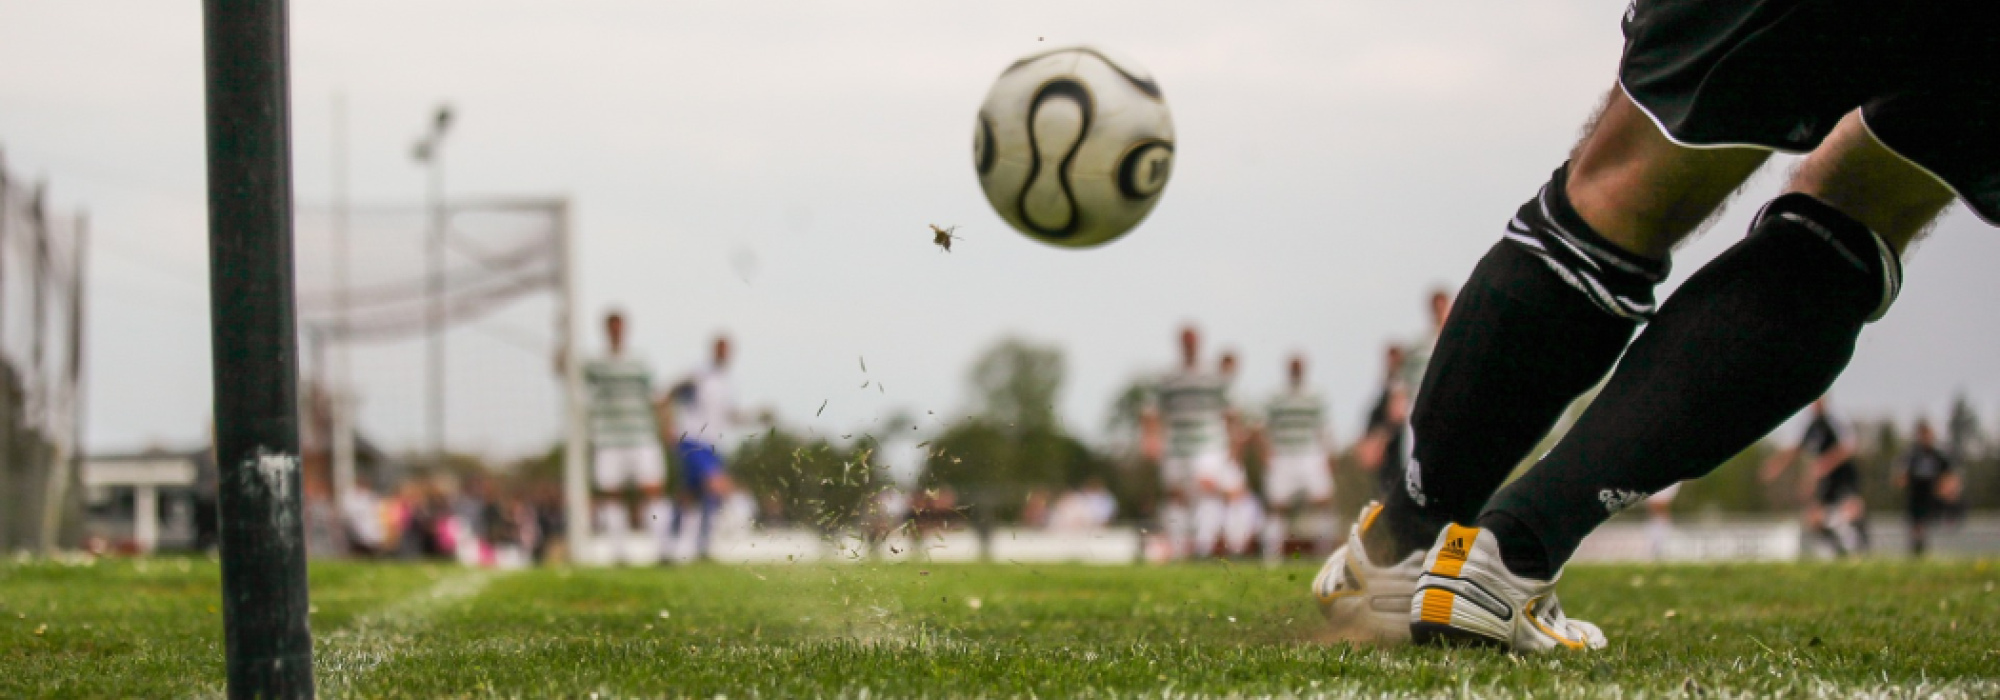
<point>1016,383</point>
<point>1013,445</point>
<point>1734,488</point>
<point>1978,459</point>
<point>1127,408</point>
<point>1136,477</point>
<point>1877,458</point>
<point>1963,438</point>
<point>809,481</point>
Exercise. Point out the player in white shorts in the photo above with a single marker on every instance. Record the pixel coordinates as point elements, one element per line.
<point>1187,421</point>
<point>1296,445</point>
<point>1225,512</point>
<point>624,437</point>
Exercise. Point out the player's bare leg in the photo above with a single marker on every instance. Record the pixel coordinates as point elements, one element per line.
<point>1644,192</point>
<point>658,517</point>
<point>613,518</point>
<point>1854,173</point>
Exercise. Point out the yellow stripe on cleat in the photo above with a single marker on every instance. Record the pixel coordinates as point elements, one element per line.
<point>1565,641</point>
<point>1437,605</point>
<point>1368,520</point>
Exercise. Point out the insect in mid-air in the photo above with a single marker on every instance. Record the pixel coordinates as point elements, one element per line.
<point>944,236</point>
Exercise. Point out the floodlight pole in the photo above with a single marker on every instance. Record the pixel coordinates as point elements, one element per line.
<point>255,349</point>
<point>429,152</point>
<point>338,388</point>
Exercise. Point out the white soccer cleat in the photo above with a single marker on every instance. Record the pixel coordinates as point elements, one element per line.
<point>1467,595</point>
<point>1364,602</point>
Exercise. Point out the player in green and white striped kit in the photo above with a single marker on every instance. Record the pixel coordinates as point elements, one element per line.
<point>1296,447</point>
<point>625,439</point>
<point>1187,428</point>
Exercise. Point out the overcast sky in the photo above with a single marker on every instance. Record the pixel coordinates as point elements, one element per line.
<point>770,169</point>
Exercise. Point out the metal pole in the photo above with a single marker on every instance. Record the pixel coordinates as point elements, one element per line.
<point>576,492</point>
<point>431,151</point>
<point>339,390</point>
<point>13,529</point>
<point>436,317</point>
<point>255,348</point>
<point>39,381</point>
<point>78,306</point>
<point>68,448</point>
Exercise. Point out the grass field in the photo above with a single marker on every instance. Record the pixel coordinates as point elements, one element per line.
<point>151,628</point>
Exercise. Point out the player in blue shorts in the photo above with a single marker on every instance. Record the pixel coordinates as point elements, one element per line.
<point>705,419</point>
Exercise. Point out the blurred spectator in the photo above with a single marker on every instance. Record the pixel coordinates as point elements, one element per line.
<point>1035,508</point>
<point>1083,510</point>
<point>362,521</point>
<point>887,510</point>
<point>933,511</point>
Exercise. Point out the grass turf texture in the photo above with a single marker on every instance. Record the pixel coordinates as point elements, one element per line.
<point>150,628</point>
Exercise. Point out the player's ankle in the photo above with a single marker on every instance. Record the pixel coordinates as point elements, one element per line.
<point>1520,550</point>
<point>1398,532</point>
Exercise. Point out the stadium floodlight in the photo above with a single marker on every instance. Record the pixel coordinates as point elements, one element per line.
<point>255,350</point>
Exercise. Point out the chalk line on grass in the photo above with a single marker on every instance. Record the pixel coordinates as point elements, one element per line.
<point>345,657</point>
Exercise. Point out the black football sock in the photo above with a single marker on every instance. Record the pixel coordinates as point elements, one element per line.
<point>1543,317</point>
<point>1749,340</point>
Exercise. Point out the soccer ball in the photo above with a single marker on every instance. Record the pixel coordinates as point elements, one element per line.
<point>1074,146</point>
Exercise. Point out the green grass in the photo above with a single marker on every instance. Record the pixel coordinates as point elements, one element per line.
<point>150,629</point>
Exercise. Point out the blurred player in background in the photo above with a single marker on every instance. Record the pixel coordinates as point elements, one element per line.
<point>1235,519</point>
<point>1381,447</point>
<point>705,420</point>
<point>624,438</point>
<point>1187,419</point>
<point>1927,476</point>
<point>1835,510</point>
<point>1417,355</point>
<point>1660,519</point>
<point>1298,473</point>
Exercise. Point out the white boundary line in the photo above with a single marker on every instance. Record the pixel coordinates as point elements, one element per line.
<point>345,657</point>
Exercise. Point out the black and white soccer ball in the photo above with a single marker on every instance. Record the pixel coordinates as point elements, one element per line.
<point>1074,146</point>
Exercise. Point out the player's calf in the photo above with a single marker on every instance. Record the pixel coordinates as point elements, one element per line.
<point>1544,316</point>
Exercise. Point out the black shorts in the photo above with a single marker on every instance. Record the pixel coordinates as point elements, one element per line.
<point>1779,74</point>
<point>1925,503</point>
<point>1838,485</point>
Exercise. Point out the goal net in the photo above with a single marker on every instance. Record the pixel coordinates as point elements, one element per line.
<point>416,345</point>
<point>41,341</point>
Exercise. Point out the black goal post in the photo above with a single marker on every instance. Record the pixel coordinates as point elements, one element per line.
<point>255,349</point>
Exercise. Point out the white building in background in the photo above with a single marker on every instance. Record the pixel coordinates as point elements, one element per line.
<point>142,503</point>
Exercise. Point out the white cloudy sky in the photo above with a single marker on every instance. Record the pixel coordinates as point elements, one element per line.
<point>1336,159</point>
